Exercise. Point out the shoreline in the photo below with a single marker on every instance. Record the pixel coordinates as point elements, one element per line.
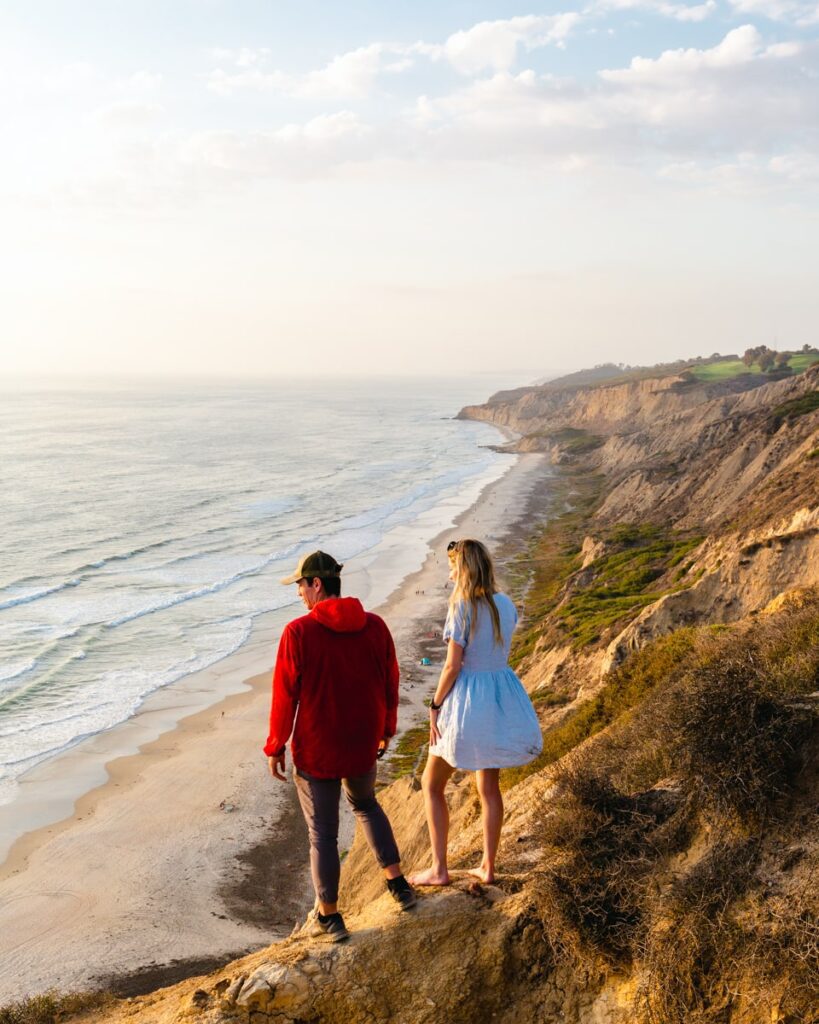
<point>235,836</point>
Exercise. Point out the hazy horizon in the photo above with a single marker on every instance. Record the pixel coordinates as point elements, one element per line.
<point>211,188</point>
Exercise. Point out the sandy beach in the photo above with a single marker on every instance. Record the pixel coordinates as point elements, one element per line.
<point>186,854</point>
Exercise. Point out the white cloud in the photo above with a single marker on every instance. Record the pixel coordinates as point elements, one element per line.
<point>351,75</point>
<point>796,167</point>
<point>738,96</point>
<point>308,150</point>
<point>325,127</point>
<point>127,114</point>
<point>669,114</point>
<point>677,11</point>
<point>798,12</point>
<point>494,44</point>
<point>746,174</point>
<point>740,46</point>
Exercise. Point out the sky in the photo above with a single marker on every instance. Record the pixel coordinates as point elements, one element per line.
<point>269,187</point>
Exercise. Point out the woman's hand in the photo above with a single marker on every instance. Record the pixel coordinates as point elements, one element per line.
<point>434,734</point>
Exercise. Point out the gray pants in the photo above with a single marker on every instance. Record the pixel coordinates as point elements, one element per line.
<point>319,803</point>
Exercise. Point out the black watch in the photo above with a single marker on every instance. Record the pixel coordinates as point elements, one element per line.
<point>435,707</point>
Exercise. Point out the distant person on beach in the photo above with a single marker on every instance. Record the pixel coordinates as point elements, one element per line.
<point>336,666</point>
<point>480,717</point>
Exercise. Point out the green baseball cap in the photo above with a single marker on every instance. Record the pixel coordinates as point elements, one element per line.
<point>319,563</point>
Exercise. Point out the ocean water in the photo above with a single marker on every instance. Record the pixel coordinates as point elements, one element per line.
<point>145,528</point>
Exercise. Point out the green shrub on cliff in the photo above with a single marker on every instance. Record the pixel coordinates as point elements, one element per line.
<point>796,407</point>
<point>620,581</point>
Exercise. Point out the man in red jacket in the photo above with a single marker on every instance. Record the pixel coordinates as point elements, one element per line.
<point>336,667</point>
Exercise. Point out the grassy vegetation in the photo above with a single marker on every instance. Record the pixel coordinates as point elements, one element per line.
<point>409,751</point>
<point>559,603</point>
<point>622,579</point>
<point>797,407</point>
<point>610,374</point>
<point>802,360</point>
<point>574,441</point>
<point>727,369</point>
<point>537,576</point>
<point>51,1008</point>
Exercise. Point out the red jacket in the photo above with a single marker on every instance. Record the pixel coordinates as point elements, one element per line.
<point>337,666</point>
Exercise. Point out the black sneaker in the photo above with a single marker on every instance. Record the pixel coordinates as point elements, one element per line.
<point>332,926</point>
<point>402,892</point>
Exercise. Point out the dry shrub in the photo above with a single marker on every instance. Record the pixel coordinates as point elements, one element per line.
<point>731,726</point>
<point>600,847</point>
<point>51,1007</point>
<point>732,721</point>
<point>785,961</point>
<point>694,945</point>
<point>734,737</point>
<point>720,944</point>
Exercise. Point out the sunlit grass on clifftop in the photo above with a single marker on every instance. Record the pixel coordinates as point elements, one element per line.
<point>727,369</point>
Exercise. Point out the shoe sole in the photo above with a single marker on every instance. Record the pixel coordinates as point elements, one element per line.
<point>330,936</point>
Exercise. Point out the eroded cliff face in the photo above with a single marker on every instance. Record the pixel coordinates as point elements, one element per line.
<point>733,466</point>
<point>608,409</point>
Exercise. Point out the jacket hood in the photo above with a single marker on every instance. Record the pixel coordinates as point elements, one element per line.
<point>341,614</point>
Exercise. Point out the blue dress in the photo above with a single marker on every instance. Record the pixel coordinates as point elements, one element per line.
<point>487,719</point>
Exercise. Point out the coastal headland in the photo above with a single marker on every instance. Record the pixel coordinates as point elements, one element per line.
<point>659,860</point>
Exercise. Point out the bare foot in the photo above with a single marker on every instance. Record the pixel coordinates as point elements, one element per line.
<point>429,877</point>
<point>485,875</point>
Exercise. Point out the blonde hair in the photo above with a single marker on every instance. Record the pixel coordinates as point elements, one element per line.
<point>475,581</point>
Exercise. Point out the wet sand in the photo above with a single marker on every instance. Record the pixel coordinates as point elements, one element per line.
<point>187,853</point>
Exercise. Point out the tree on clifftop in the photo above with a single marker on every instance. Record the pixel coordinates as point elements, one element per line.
<point>767,360</point>
<point>782,360</point>
<point>761,354</point>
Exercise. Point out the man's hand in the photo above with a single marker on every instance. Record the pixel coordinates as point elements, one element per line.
<point>382,747</point>
<point>276,765</point>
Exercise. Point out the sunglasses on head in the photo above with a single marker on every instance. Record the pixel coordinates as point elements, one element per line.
<point>452,545</point>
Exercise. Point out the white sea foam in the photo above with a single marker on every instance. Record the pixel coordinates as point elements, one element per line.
<point>15,669</point>
<point>32,739</point>
<point>35,595</point>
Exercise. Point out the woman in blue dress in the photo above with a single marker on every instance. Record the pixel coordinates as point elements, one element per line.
<point>480,718</point>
